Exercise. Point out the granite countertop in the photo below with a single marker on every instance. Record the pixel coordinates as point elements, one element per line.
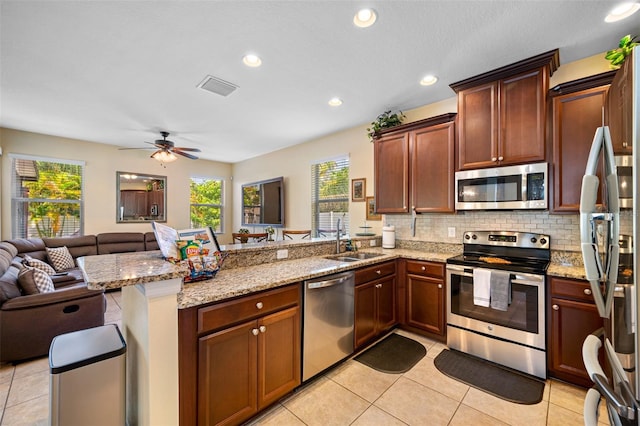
<point>239,281</point>
<point>113,271</point>
<point>110,271</point>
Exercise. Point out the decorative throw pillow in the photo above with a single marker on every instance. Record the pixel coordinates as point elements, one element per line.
<point>38,264</point>
<point>60,258</point>
<point>34,281</point>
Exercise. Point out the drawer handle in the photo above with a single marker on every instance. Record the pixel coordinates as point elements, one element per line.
<point>254,331</point>
<point>424,268</point>
<point>587,291</point>
<point>259,305</point>
<point>555,307</point>
<point>439,285</point>
<point>378,272</point>
<point>263,328</point>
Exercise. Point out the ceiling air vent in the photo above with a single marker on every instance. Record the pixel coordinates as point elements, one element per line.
<point>217,86</point>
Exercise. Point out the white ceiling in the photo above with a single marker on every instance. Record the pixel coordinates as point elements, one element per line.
<point>119,72</point>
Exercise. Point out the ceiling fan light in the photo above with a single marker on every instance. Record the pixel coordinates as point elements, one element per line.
<point>164,156</point>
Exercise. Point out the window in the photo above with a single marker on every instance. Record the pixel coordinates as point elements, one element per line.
<point>206,203</point>
<point>46,198</point>
<point>330,196</point>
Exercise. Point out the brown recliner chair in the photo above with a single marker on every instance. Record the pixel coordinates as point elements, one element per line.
<point>28,323</point>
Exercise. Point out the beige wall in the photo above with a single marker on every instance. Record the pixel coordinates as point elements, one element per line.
<point>101,163</point>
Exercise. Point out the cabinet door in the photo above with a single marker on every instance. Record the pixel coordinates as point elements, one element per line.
<point>576,116</point>
<point>620,109</point>
<point>571,323</point>
<point>478,126</point>
<point>128,200</point>
<point>433,169</point>
<point>278,355</point>
<point>365,313</point>
<point>391,168</point>
<point>522,118</point>
<point>425,304</point>
<point>227,375</point>
<point>386,304</point>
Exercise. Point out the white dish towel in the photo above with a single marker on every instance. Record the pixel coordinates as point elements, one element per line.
<point>481,286</point>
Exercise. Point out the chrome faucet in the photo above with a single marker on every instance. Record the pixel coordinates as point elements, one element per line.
<point>338,237</point>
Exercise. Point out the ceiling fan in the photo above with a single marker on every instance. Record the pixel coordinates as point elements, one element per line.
<point>166,150</point>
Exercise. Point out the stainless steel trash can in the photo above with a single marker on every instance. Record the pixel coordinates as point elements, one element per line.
<point>87,380</point>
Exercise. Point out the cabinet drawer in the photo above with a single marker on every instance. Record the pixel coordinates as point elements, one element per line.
<point>235,311</point>
<point>430,269</point>
<point>571,289</point>
<point>374,272</point>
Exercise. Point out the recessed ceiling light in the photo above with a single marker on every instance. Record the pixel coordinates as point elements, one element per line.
<point>622,11</point>
<point>428,80</point>
<point>334,102</point>
<point>364,18</point>
<point>252,60</point>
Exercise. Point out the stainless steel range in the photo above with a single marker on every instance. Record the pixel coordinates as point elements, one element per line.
<point>496,299</point>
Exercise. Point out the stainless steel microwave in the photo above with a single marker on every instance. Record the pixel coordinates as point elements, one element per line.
<point>624,170</point>
<point>503,188</point>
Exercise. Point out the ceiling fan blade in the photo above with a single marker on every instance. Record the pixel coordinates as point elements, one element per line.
<point>123,149</point>
<point>179,148</point>
<point>184,154</point>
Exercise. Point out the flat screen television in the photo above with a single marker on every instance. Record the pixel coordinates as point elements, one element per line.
<point>263,202</point>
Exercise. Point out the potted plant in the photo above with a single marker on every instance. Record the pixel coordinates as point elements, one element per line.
<point>617,56</point>
<point>385,121</point>
<point>269,230</point>
<point>243,239</point>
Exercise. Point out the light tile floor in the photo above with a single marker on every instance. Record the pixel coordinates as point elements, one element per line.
<point>350,394</point>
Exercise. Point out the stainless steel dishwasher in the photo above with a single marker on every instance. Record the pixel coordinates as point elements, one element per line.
<point>327,322</point>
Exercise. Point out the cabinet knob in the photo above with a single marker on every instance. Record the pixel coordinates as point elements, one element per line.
<point>379,285</point>
<point>624,144</point>
<point>500,158</point>
<point>439,285</point>
<point>424,268</point>
<point>555,307</point>
<point>378,272</point>
<point>263,328</point>
<point>254,331</point>
<point>259,305</point>
<point>494,159</point>
<point>587,291</point>
<point>490,328</point>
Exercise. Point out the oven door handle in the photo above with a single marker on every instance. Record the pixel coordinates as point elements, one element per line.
<point>527,282</point>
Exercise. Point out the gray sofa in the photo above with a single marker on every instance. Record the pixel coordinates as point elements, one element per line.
<point>28,322</point>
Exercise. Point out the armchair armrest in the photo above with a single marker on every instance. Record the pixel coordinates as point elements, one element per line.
<point>61,295</point>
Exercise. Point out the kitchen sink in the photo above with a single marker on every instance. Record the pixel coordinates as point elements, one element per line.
<point>352,256</point>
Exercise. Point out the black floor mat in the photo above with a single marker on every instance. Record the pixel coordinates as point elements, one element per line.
<point>395,354</point>
<point>492,378</point>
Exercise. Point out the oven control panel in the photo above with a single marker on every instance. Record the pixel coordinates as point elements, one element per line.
<point>508,239</point>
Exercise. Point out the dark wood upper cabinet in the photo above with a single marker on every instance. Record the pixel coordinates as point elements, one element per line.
<point>414,166</point>
<point>391,166</point>
<point>620,108</point>
<point>577,110</point>
<point>502,113</point>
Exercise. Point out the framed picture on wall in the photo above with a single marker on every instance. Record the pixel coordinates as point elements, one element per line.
<point>358,189</point>
<point>371,209</point>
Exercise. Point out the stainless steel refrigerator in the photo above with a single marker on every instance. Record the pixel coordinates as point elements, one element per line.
<point>609,266</point>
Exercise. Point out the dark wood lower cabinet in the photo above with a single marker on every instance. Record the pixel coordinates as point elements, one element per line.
<point>238,357</point>
<point>426,298</point>
<point>573,316</point>
<point>375,302</point>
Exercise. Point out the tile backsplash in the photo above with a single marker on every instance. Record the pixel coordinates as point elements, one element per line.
<point>564,229</point>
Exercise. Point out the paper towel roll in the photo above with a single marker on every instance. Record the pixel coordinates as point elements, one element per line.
<point>389,236</point>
